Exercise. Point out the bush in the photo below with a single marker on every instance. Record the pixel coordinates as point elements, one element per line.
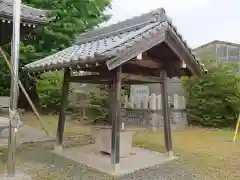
<point>213,99</point>
<point>98,100</point>
<point>49,89</point>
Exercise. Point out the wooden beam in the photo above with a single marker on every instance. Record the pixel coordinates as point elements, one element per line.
<point>138,83</point>
<point>138,70</point>
<point>130,82</point>
<point>128,68</point>
<point>140,78</point>
<point>107,78</point>
<point>91,78</point>
<point>149,63</point>
<point>133,66</point>
<point>64,101</point>
<point>166,115</point>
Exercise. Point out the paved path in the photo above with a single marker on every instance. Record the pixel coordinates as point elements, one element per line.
<point>25,134</point>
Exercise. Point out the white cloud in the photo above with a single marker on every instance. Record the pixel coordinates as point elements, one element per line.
<point>199,21</point>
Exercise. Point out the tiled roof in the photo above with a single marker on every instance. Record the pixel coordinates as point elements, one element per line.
<point>108,42</point>
<point>28,14</point>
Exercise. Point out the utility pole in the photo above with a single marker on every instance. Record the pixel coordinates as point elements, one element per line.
<point>13,109</point>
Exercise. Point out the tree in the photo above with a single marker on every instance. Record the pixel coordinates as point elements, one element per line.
<point>214,98</point>
<point>5,76</point>
<point>50,91</point>
<point>68,18</point>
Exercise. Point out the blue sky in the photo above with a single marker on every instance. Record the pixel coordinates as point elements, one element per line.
<point>198,21</point>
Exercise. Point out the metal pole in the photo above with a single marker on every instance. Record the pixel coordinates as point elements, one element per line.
<point>13,113</point>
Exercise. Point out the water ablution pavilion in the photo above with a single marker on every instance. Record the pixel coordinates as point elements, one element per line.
<point>141,50</point>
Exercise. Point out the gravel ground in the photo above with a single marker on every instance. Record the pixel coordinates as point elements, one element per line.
<point>70,170</point>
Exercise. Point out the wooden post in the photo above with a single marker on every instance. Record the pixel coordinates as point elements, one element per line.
<point>166,116</point>
<point>116,118</point>
<point>64,102</point>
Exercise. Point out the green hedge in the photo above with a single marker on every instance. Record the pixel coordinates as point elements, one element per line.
<point>213,99</point>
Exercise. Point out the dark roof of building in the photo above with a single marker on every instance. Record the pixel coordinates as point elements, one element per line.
<point>109,42</point>
<point>216,42</point>
<point>29,15</point>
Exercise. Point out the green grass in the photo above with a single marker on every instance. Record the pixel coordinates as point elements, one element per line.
<point>50,123</point>
<point>208,152</point>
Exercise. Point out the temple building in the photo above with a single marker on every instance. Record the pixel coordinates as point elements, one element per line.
<point>31,18</point>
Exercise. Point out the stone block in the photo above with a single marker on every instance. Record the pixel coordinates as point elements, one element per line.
<point>103,136</point>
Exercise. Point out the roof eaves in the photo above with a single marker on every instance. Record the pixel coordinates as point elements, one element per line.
<point>66,60</point>
<point>9,18</point>
<point>41,14</point>
<point>29,15</point>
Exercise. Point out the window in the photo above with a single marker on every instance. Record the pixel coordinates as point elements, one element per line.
<point>221,50</point>
<point>232,51</point>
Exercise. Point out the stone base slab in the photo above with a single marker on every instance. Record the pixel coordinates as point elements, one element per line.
<point>90,156</point>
